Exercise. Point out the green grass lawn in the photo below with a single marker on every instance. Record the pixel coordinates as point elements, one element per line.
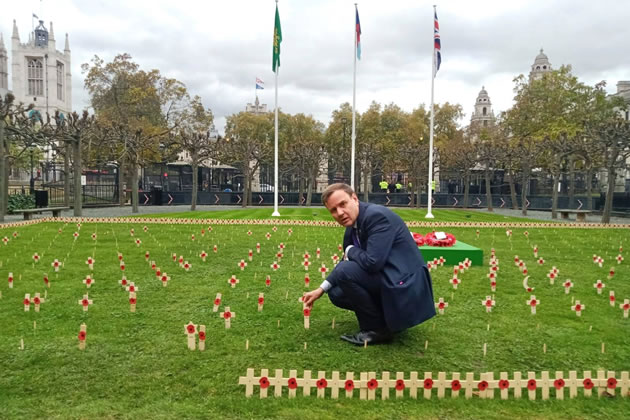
<point>320,213</point>
<point>138,365</point>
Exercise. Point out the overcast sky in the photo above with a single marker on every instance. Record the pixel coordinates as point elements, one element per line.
<point>218,48</point>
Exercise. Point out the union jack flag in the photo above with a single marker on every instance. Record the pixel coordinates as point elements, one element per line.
<point>437,45</point>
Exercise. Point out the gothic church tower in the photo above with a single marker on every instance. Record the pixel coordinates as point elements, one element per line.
<point>40,73</point>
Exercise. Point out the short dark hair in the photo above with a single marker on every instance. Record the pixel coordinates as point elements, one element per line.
<point>336,187</point>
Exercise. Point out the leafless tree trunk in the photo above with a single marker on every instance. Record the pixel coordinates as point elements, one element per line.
<point>488,188</point>
<point>571,191</point>
<point>610,191</point>
<point>589,188</point>
<point>195,184</point>
<point>76,173</point>
<point>134,188</point>
<point>66,176</point>
<point>512,190</point>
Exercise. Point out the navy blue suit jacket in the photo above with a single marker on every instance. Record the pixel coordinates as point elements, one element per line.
<point>388,247</point>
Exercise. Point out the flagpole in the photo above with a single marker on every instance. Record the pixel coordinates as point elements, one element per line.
<point>275,152</point>
<point>430,185</point>
<point>354,101</point>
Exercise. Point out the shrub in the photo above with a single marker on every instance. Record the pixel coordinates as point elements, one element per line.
<point>20,202</point>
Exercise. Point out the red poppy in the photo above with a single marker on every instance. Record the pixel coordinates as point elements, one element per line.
<point>428,383</point>
<point>322,383</point>
<point>36,301</point>
<point>588,383</point>
<point>132,301</point>
<point>124,282</point>
<point>578,308</point>
<point>482,386</point>
<point>307,312</point>
<point>612,298</point>
<point>227,315</point>
<point>349,385</point>
<point>190,329</point>
<point>267,282</point>
<point>217,301</point>
<point>82,335</point>
<point>441,305</point>
<point>611,383</point>
<point>400,384</point>
<point>85,302</point>
<point>202,335</point>
<point>27,302</point>
<point>264,382</point>
<point>558,383</point>
<point>292,384</point>
<point>531,384</point>
<point>261,300</point>
<point>533,302</point>
<point>45,279</point>
<point>504,384</point>
<point>122,267</point>
<point>372,384</point>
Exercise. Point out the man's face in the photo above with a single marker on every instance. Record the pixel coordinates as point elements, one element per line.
<point>343,207</point>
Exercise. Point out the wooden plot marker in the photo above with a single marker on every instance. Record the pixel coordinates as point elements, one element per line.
<point>233,281</point>
<point>488,302</point>
<point>533,302</point>
<point>90,263</point>
<point>599,286</point>
<point>307,317</point>
<point>85,302</point>
<point>123,282</point>
<point>132,288</point>
<point>191,331</point>
<point>217,302</point>
<point>440,305</point>
<point>132,301</point>
<point>165,279</point>
<point>88,281</point>
<point>37,300</point>
<point>10,280</point>
<point>578,308</point>
<point>202,337</point>
<point>27,302</point>
<point>227,316</point>
<point>242,264</point>
<point>625,306</point>
<point>611,298</point>
<point>82,336</point>
<point>568,284</point>
<point>261,301</point>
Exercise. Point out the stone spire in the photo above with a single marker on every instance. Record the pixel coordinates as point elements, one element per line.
<point>67,47</point>
<point>16,34</point>
<point>2,48</point>
<point>51,33</point>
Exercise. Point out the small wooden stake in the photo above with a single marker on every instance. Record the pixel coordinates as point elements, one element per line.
<point>333,323</point>
<point>246,344</point>
<point>426,344</point>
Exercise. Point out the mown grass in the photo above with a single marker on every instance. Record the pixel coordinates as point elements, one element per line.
<point>137,364</point>
<point>320,213</point>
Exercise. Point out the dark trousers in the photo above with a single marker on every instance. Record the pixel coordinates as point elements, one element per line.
<point>358,291</point>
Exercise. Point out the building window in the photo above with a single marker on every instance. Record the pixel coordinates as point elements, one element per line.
<point>484,111</point>
<point>35,77</point>
<point>59,81</point>
<point>485,123</point>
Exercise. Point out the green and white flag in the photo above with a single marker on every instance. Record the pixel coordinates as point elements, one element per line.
<point>277,39</point>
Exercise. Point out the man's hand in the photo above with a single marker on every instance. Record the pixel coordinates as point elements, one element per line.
<point>311,297</point>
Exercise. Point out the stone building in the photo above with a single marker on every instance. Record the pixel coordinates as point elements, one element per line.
<point>41,74</point>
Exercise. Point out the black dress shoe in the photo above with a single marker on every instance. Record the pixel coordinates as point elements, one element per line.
<point>369,337</point>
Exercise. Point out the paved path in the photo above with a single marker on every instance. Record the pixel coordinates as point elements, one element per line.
<point>126,211</point>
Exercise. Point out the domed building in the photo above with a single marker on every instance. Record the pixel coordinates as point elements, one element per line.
<point>483,114</point>
<point>541,66</point>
